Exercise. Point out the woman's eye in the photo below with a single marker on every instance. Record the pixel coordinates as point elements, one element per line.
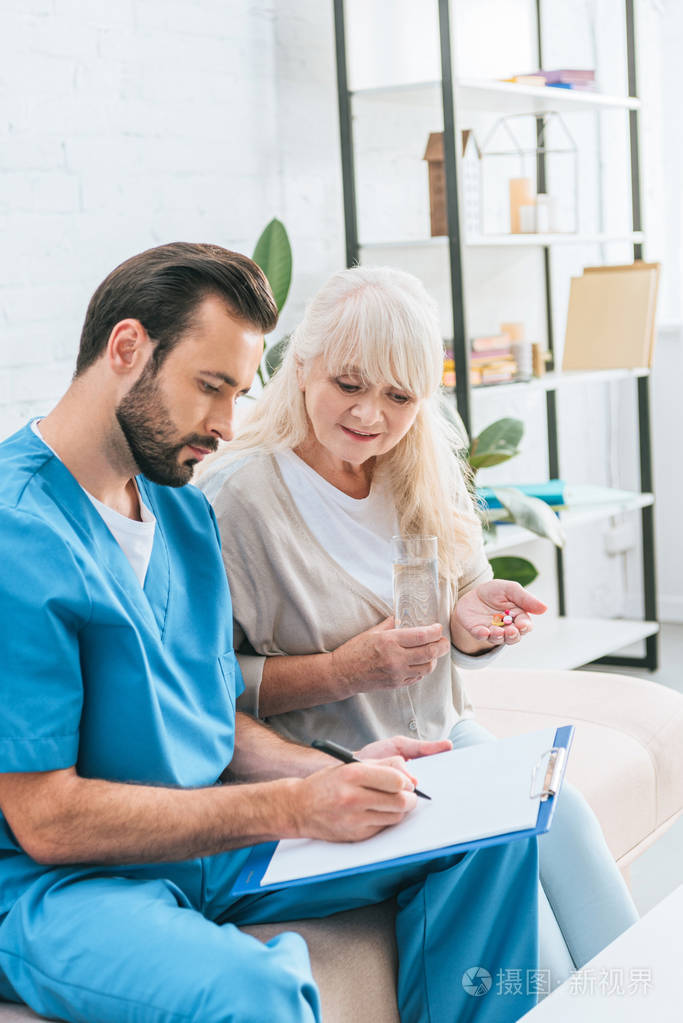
<point>347,388</point>
<point>400,399</point>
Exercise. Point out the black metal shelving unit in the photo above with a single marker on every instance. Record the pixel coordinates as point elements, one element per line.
<point>455,247</point>
<point>651,658</point>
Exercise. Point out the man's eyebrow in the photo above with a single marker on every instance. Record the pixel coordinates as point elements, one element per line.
<point>220,376</point>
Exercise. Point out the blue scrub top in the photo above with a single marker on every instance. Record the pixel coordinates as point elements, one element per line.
<point>127,683</point>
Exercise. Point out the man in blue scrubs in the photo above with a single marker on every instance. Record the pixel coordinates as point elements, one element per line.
<point>121,830</point>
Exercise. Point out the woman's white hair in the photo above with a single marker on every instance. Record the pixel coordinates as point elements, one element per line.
<point>381,323</point>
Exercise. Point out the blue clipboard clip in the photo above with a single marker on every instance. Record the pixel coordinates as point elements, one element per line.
<point>551,764</point>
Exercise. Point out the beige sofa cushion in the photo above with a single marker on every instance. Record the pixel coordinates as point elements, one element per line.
<point>627,758</point>
<point>16,1014</point>
<point>354,962</point>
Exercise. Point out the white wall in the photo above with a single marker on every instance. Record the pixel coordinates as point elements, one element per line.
<point>127,124</point>
<point>663,176</point>
<point>307,149</point>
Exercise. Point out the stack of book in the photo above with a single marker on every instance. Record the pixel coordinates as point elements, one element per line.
<point>562,78</point>
<point>569,78</point>
<point>491,360</point>
<point>552,492</point>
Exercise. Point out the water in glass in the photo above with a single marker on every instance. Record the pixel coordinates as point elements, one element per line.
<point>416,592</point>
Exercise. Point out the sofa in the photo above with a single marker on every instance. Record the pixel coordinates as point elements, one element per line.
<point>627,759</point>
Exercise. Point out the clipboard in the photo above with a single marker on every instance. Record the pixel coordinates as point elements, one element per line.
<point>544,785</point>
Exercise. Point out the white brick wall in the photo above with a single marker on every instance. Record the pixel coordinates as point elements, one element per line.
<point>128,124</point>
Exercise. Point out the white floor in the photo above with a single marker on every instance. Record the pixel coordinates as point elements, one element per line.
<point>660,868</point>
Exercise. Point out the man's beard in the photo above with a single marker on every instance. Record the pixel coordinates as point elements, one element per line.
<point>153,441</point>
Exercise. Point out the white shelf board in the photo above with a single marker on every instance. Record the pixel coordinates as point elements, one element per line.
<point>526,240</point>
<point>572,642</point>
<point>509,240</point>
<point>512,97</point>
<point>497,97</point>
<point>440,242</point>
<point>553,381</point>
<point>606,502</point>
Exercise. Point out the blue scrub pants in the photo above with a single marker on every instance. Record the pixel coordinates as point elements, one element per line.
<point>587,894</point>
<point>160,945</point>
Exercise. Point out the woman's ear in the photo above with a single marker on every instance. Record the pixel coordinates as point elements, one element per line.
<point>300,373</point>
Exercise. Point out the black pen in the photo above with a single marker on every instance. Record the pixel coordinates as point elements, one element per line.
<point>347,757</point>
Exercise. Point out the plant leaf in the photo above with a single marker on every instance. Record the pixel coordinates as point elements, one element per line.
<point>275,354</point>
<point>486,461</point>
<point>273,253</point>
<point>518,570</point>
<point>497,443</point>
<point>532,513</point>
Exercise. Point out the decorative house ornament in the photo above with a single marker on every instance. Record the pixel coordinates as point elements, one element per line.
<point>438,212</point>
<point>438,209</point>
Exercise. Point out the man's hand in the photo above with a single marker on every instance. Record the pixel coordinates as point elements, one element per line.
<point>474,612</point>
<point>355,801</point>
<point>387,658</point>
<point>351,802</point>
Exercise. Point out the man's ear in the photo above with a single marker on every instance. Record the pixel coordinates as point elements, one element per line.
<point>128,347</point>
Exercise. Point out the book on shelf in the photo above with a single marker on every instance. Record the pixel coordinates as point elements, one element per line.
<point>494,354</point>
<point>611,317</point>
<point>493,342</point>
<point>553,492</point>
<point>573,78</point>
<point>529,79</point>
<point>562,78</point>
<point>492,360</point>
<point>639,266</point>
<point>525,79</point>
<point>492,375</point>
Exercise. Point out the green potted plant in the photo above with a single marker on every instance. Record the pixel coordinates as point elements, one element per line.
<point>498,443</point>
<point>273,253</point>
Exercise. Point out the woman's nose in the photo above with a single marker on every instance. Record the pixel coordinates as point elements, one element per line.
<point>368,409</point>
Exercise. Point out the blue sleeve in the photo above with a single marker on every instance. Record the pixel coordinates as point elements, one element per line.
<point>43,605</point>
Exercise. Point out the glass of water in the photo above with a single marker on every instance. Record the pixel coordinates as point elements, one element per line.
<point>416,580</point>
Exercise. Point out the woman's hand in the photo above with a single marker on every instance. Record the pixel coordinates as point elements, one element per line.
<point>473,614</point>
<point>403,746</point>
<point>387,658</point>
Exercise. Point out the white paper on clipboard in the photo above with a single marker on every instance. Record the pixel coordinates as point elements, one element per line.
<point>476,792</point>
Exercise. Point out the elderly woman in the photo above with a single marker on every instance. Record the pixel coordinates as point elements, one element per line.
<point>346,447</point>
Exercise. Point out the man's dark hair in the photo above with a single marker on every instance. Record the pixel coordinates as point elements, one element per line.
<point>163,287</point>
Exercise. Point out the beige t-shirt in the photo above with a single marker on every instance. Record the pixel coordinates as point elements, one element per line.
<point>290,596</point>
